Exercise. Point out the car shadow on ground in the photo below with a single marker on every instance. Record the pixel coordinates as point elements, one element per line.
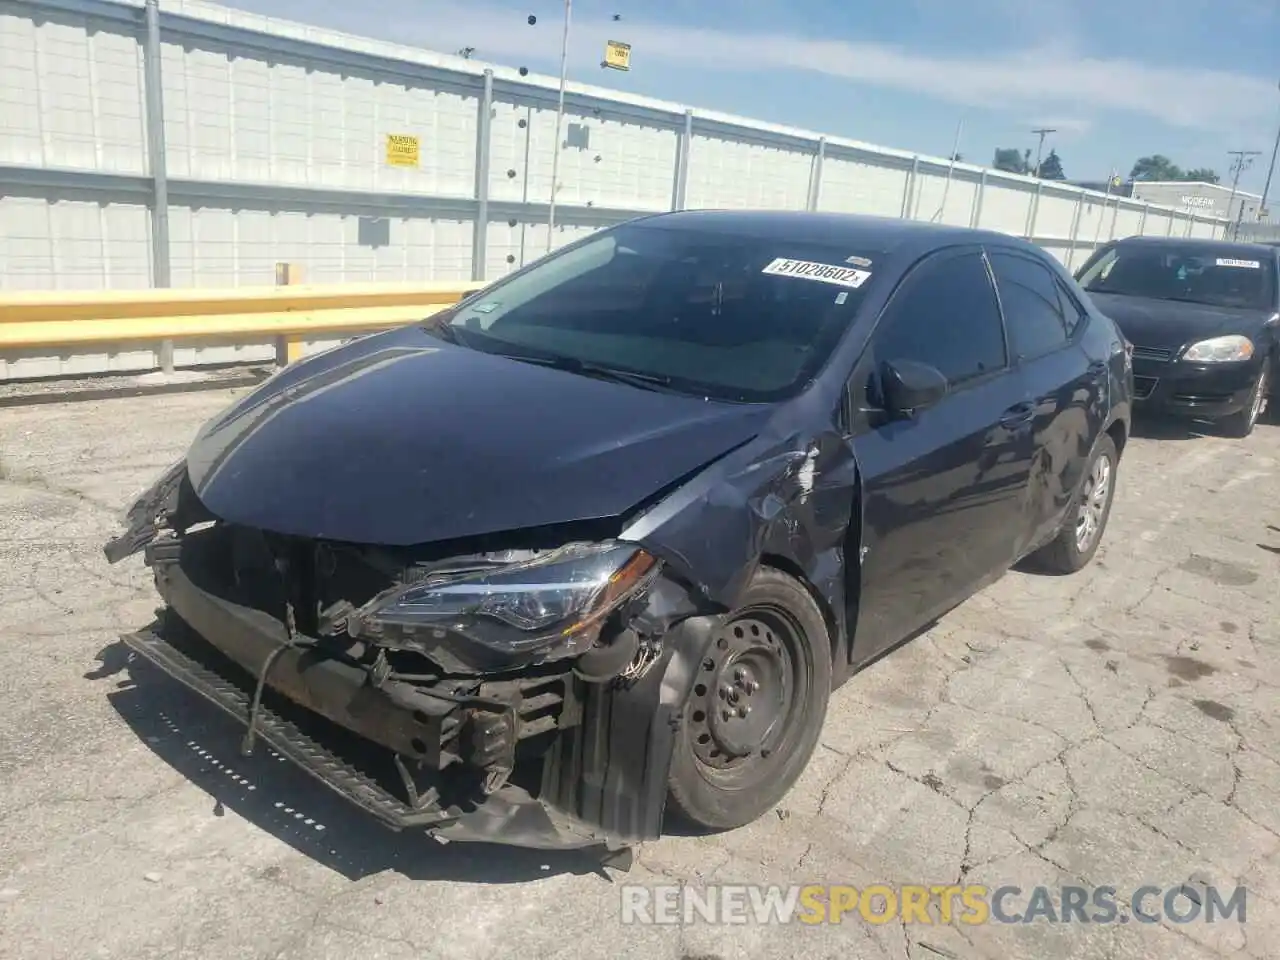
<point>1150,427</point>
<point>1153,427</point>
<point>203,745</point>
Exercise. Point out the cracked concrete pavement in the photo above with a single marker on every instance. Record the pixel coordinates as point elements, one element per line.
<point>1115,727</point>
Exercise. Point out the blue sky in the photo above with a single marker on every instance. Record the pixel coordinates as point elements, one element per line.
<point>1117,78</point>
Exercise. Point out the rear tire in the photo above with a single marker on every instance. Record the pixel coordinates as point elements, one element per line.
<point>757,707</point>
<point>1239,425</point>
<point>1078,540</point>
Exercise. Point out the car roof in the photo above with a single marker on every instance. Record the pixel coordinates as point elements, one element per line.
<point>860,233</point>
<point>1237,248</point>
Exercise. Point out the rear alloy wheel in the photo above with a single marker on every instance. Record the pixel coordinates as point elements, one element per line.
<point>1078,540</point>
<point>757,707</point>
<point>1241,424</point>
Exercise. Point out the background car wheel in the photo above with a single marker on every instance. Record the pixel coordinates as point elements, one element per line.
<point>1241,424</point>
<point>757,707</point>
<point>1078,540</point>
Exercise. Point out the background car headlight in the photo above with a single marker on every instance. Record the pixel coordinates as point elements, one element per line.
<point>1220,350</point>
<point>553,604</point>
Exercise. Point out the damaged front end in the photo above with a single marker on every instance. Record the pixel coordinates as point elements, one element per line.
<point>527,695</point>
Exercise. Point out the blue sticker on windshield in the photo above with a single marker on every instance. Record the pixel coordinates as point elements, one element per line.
<point>486,307</point>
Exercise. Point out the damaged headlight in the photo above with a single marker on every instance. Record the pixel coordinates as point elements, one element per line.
<point>141,518</point>
<point>553,605</point>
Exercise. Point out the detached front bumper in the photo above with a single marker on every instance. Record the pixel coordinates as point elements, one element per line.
<point>409,755</point>
<point>1190,389</point>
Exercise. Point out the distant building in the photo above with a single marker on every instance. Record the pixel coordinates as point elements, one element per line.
<point>1202,199</point>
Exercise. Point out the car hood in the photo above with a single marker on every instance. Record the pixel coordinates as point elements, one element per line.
<point>1170,324</point>
<point>401,438</point>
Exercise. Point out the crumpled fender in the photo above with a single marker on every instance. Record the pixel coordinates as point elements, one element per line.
<point>786,497</point>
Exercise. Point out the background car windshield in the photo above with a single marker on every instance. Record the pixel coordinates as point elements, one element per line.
<point>1218,279</point>
<point>723,316</point>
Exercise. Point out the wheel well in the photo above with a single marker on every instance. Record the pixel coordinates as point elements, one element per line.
<point>792,569</point>
<point>1118,436</point>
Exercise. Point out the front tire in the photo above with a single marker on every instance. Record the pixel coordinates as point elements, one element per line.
<point>1239,425</point>
<point>1078,540</point>
<point>757,707</point>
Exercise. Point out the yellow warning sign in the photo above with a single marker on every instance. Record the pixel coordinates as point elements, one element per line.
<point>617,55</point>
<point>402,150</point>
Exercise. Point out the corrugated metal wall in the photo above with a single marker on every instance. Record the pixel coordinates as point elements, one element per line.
<point>274,140</point>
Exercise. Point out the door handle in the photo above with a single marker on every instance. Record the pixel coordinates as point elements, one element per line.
<point>1018,414</point>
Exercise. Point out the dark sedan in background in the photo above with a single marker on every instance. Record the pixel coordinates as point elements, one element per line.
<point>1202,316</point>
<point>597,543</point>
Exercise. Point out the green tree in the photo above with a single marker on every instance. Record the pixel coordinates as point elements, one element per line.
<point>1202,175</point>
<point>1156,167</point>
<point>1012,160</point>
<point>1051,167</point>
<point>1159,167</point>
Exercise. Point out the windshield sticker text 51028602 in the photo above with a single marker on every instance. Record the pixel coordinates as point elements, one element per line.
<point>822,272</point>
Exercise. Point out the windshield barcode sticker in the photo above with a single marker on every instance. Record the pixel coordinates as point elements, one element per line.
<point>822,272</point>
<point>1247,264</point>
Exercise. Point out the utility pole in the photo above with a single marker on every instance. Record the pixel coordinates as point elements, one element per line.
<point>1266,187</point>
<point>1042,132</point>
<point>555,157</point>
<point>1242,159</point>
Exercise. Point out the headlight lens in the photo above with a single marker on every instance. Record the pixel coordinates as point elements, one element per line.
<point>1220,350</point>
<point>554,603</point>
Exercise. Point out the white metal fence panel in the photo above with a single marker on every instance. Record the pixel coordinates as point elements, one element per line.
<point>70,93</point>
<point>231,115</point>
<point>733,173</point>
<point>361,160</point>
<point>66,242</point>
<point>1063,252</point>
<point>944,201</point>
<point>1128,220</point>
<point>1205,229</point>
<point>219,247</point>
<point>1159,223</point>
<point>1006,206</point>
<point>858,186</point>
<point>1056,214</point>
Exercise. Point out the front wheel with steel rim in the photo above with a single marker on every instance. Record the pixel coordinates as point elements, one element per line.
<point>1078,540</point>
<point>757,706</point>
<point>1241,424</point>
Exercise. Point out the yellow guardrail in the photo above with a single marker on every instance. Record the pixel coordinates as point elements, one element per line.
<point>60,319</point>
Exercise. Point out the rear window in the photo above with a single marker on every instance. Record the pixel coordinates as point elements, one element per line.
<point>1218,278</point>
<point>729,317</point>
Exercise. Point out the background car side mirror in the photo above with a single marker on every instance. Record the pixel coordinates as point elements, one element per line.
<point>908,387</point>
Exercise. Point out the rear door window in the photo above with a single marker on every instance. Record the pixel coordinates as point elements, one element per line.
<point>1072,312</point>
<point>1032,305</point>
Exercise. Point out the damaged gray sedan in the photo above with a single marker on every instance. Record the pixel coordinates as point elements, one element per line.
<point>594,546</point>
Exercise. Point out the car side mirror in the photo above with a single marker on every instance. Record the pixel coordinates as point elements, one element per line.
<point>908,387</point>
